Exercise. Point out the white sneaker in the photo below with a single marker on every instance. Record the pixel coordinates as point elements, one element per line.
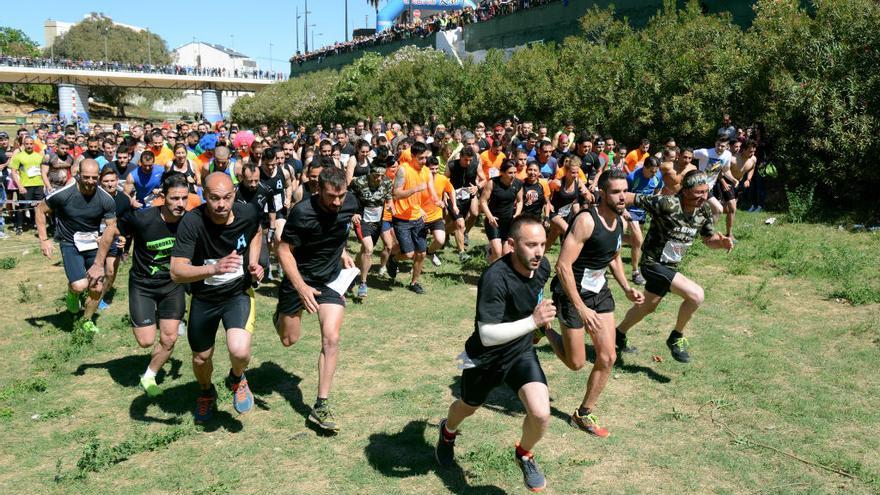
<point>435,260</point>
<point>3,235</point>
<point>383,272</point>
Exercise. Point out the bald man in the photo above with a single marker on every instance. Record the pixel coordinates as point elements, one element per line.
<point>217,252</point>
<point>79,207</point>
<point>222,163</point>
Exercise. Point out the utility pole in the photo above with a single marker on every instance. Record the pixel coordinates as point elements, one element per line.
<point>306,28</point>
<point>149,49</point>
<point>106,53</point>
<point>296,26</point>
<point>270,56</point>
<point>346,20</point>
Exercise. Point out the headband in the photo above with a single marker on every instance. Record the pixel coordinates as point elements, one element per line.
<point>695,180</point>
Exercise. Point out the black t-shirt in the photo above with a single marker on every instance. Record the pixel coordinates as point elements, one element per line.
<point>277,184</point>
<point>590,165</point>
<point>504,296</point>
<point>123,204</point>
<point>260,198</point>
<point>77,215</point>
<point>153,244</point>
<point>502,201</point>
<point>318,238</point>
<point>203,242</point>
<point>294,165</point>
<point>463,175</point>
<point>533,199</point>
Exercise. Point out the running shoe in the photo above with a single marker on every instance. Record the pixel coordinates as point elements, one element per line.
<point>102,305</point>
<point>532,474</point>
<point>323,418</point>
<point>72,302</point>
<point>362,290</point>
<point>678,347</point>
<point>242,398</point>
<point>444,451</point>
<point>417,288</point>
<point>392,268</point>
<point>638,279</point>
<point>588,424</point>
<point>383,272</point>
<point>3,235</point>
<point>18,231</point>
<point>621,344</point>
<point>467,240</point>
<point>89,326</point>
<point>206,405</point>
<point>436,260</point>
<point>150,386</point>
<point>463,257</point>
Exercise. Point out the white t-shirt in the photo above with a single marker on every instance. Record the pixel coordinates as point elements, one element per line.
<point>712,163</point>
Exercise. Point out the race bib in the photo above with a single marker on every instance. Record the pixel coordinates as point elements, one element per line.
<point>279,202</point>
<point>565,210</point>
<point>593,280</point>
<point>494,172</point>
<point>33,171</point>
<point>85,241</point>
<point>223,278</point>
<point>463,194</point>
<point>372,214</point>
<point>674,251</point>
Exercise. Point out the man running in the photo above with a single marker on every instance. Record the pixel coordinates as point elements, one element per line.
<point>713,162</point>
<point>109,178</point>
<point>373,193</point>
<point>154,300</point>
<point>144,182</point>
<point>501,201</point>
<point>312,255</point>
<point>675,222</point>
<point>79,209</point>
<point>648,180</point>
<point>213,242</point>
<point>434,214</point>
<point>510,306</point>
<point>583,298</point>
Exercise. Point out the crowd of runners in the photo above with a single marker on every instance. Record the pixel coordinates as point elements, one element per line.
<point>207,212</point>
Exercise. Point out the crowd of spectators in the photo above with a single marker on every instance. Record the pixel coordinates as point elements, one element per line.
<point>103,65</point>
<point>421,28</point>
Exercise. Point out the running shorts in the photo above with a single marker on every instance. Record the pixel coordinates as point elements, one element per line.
<point>205,317</point>
<point>148,305</point>
<point>658,277</point>
<point>76,262</point>
<point>723,190</point>
<point>411,235</point>
<point>502,231</point>
<point>603,302</point>
<point>289,302</point>
<point>438,224</point>
<point>370,230</point>
<point>476,383</point>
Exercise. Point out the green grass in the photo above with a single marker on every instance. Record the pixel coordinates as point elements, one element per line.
<point>784,349</point>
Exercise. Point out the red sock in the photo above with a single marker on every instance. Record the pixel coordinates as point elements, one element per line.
<point>448,435</point>
<point>521,452</point>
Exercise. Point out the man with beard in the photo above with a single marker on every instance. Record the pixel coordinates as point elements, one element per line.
<point>510,306</point>
<point>61,159</point>
<point>213,243</point>
<point>154,300</point>
<point>252,190</point>
<point>675,222</point>
<point>582,296</point>
<point>79,209</point>
<point>312,254</point>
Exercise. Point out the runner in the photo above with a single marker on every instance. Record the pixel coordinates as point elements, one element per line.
<point>79,209</point>
<point>61,159</point>
<point>358,165</point>
<point>144,183</point>
<point>510,306</point>
<point>463,175</point>
<point>583,298</point>
<point>252,190</point>
<point>501,202</point>
<point>675,222</point>
<point>109,182</point>
<point>222,163</point>
<point>27,173</point>
<point>152,296</point>
<point>742,165</point>
<point>412,188</point>
<point>434,214</point>
<point>373,193</point>
<point>213,242</point>
<point>568,193</point>
<point>646,180</point>
<point>312,254</point>
<point>536,193</point>
<point>713,162</point>
<point>182,163</point>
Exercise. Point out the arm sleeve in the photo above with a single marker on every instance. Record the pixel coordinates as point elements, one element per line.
<point>492,334</point>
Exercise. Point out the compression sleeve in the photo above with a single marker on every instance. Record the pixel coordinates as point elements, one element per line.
<point>492,334</point>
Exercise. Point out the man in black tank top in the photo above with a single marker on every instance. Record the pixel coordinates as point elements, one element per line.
<point>581,293</point>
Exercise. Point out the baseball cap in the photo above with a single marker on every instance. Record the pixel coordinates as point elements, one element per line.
<point>4,134</point>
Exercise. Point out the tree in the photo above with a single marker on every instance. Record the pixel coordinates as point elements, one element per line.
<point>15,43</point>
<point>97,38</point>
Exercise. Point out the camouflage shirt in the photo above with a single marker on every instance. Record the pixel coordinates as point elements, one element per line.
<point>672,231</point>
<point>368,197</point>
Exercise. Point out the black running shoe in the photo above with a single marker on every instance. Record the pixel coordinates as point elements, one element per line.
<point>621,344</point>
<point>444,452</point>
<point>324,419</point>
<point>416,287</point>
<point>392,268</point>
<point>678,347</point>
<point>532,475</point>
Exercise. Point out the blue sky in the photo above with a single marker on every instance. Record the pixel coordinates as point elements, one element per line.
<point>247,26</point>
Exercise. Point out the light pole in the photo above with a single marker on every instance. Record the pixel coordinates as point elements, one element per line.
<point>296,27</point>
<point>346,20</point>
<point>149,49</point>
<point>306,28</point>
<point>106,53</point>
<point>270,56</point>
<point>232,41</point>
<point>313,36</point>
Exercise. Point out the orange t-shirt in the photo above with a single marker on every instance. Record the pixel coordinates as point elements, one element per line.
<point>561,173</point>
<point>410,208</point>
<point>165,155</point>
<point>634,158</point>
<point>441,185</point>
<point>489,162</point>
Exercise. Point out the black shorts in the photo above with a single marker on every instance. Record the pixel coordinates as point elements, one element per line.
<point>476,383</point>
<point>502,231</point>
<point>76,262</point>
<point>114,251</point>
<point>723,190</point>
<point>147,305</point>
<point>370,230</point>
<point>438,224</point>
<point>603,302</point>
<point>464,208</point>
<point>411,235</point>
<point>289,302</point>
<point>205,317</point>
<point>658,277</point>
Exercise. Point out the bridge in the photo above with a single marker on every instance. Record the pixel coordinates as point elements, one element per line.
<point>73,86</point>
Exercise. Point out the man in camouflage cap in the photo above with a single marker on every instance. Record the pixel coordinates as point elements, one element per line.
<point>675,222</point>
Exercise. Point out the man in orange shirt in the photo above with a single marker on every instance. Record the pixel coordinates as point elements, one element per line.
<point>490,162</point>
<point>411,181</point>
<point>162,152</point>
<point>433,213</point>
<point>636,157</point>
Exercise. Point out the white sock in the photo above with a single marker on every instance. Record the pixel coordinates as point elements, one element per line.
<point>149,373</point>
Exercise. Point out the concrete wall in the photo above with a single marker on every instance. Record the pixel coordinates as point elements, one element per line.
<point>339,61</point>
